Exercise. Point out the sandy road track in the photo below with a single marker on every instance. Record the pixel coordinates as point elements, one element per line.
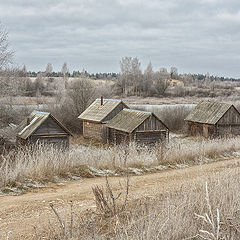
<point>19,214</point>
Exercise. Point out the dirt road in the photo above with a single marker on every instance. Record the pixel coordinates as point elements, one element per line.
<point>20,214</point>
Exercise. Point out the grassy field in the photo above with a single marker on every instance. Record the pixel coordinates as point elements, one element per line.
<point>46,164</point>
<point>191,193</point>
<point>196,204</point>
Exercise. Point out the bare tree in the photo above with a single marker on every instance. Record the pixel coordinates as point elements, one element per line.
<point>68,107</point>
<point>81,93</point>
<point>130,75</point>
<point>174,73</point>
<point>148,78</point>
<point>24,70</point>
<point>161,82</point>
<point>125,66</point>
<point>49,69</point>
<point>136,75</point>
<point>65,72</point>
<point>39,84</point>
<point>5,53</point>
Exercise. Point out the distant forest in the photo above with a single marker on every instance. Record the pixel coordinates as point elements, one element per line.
<point>113,75</point>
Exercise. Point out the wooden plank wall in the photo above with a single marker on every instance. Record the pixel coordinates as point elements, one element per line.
<point>150,137</point>
<point>151,123</point>
<point>230,117</point>
<point>49,127</point>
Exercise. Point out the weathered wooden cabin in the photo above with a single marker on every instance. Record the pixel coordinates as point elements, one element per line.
<point>42,127</point>
<point>139,126</point>
<point>213,119</point>
<point>97,115</point>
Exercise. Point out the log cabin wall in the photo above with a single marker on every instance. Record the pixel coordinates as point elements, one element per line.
<point>150,137</point>
<point>93,130</point>
<point>195,129</point>
<point>152,130</point>
<point>97,130</point>
<point>213,119</point>
<point>200,129</point>
<point>140,137</point>
<point>228,130</point>
<point>118,137</point>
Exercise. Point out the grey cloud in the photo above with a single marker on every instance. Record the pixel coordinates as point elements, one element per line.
<point>194,35</point>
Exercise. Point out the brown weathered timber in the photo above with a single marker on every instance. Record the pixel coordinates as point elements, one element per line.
<point>139,126</point>
<point>211,119</point>
<point>97,115</point>
<point>42,127</point>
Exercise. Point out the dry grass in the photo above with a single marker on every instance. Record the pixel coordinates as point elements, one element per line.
<point>199,151</point>
<point>46,164</point>
<point>202,209</point>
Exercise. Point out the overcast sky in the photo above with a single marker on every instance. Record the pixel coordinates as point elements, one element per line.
<point>197,36</point>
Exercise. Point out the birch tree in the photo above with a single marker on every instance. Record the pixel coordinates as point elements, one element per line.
<point>148,78</point>
<point>5,53</point>
<point>130,75</point>
<point>65,73</point>
<point>49,69</point>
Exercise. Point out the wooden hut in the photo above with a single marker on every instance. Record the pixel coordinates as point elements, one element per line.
<point>97,115</point>
<point>140,126</point>
<point>213,119</point>
<point>42,127</point>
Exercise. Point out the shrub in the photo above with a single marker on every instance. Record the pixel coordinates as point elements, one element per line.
<point>172,116</point>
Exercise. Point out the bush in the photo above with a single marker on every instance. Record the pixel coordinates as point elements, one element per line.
<point>72,102</point>
<point>172,116</point>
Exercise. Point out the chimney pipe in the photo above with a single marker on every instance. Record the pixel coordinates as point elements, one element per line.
<point>28,121</point>
<point>101,100</point>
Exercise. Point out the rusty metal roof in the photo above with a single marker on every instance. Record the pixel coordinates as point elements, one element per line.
<point>28,126</point>
<point>208,112</point>
<point>128,120</point>
<point>97,112</point>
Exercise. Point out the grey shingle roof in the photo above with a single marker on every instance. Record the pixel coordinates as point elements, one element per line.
<point>208,112</point>
<point>97,112</point>
<point>128,120</point>
<point>36,118</point>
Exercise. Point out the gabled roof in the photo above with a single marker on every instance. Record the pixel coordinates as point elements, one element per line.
<point>128,120</point>
<point>25,129</point>
<point>97,112</point>
<point>208,112</point>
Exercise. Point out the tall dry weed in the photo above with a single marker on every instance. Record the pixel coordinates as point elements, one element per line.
<point>45,163</point>
<point>196,211</point>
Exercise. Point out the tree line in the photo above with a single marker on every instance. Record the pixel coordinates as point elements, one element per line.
<point>66,73</point>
